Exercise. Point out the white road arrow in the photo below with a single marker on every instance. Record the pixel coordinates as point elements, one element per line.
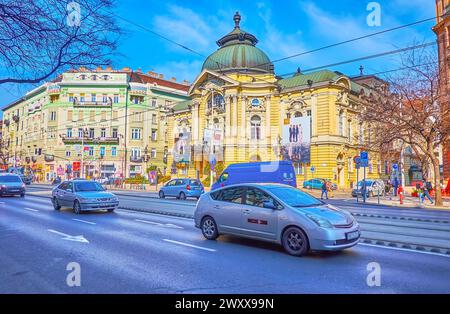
<point>79,238</point>
<point>159,224</point>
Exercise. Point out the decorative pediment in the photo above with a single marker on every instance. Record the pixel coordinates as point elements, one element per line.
<point>296,105</point>
<point>210,77</point>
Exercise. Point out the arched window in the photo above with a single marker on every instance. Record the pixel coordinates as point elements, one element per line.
<point>219,101</point>
<point>255,128</point>
<point>298,114</point>
<point>341,123</point>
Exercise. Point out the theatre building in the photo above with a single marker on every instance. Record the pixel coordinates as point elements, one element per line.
<point>239,111</point>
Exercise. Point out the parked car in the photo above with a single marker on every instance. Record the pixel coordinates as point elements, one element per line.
<point>373,188</point>
<point>83,195</point>
<point>316,184</point>
<point>11,184</point>
<point>254,172</point>
<point>182,188</point>
<point>276,213</point>
<point>26,179</point>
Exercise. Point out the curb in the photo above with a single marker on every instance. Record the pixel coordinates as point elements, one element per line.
<point>401,218</point>
<point>409,246</point>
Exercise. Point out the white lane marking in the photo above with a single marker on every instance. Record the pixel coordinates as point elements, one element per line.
<point>190,245</point>
<point>85,221</point>
<point>131,212</point>
<point>31,209</point>
<point>159,224</point>
<point>68,237</point>
<point>402,249</point>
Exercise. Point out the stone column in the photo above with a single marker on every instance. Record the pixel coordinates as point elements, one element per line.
<point>227,118</point>
<point>234,121</point>
<point>243,130</point>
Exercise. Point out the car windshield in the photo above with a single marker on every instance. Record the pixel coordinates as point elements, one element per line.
<point>88,186</point>
<point>194,182</point>
<point>294,197</point>
<point>10,179</point>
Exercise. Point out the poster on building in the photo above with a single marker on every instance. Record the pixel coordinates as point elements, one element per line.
<point>182,146</point>
<point>213,144</point>
<point>296,139</point>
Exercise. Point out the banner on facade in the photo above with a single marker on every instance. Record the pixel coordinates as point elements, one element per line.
<point>182,147</point>
<point>213,144</point>
<point>296,139</point>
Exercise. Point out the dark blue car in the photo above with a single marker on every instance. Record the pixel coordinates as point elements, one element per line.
<point>257,172</point>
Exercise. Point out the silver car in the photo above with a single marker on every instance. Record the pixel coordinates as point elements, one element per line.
<point>276,213</point>
<point>83,195</point>
<point>11,184</point>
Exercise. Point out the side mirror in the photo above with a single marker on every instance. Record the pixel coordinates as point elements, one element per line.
<point>269,204</point>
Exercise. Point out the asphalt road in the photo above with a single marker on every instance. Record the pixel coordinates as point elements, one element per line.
<point>134,252</point>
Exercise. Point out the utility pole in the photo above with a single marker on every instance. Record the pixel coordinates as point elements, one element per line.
<point>124,170</point>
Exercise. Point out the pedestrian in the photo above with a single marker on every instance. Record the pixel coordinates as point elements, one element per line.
<point>324,190</point>
<point>395,185</point>
<point>329,188</point>
<point>427,188</point>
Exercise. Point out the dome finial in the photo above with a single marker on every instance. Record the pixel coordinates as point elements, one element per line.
<point>237,19</point>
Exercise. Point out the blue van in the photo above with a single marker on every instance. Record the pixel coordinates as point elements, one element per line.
<point>257,172</point>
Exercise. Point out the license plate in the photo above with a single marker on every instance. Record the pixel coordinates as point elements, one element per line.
<point>352,235</point>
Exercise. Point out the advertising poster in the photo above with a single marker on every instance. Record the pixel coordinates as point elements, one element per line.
<point>182,147</point>
<point>296,139</point>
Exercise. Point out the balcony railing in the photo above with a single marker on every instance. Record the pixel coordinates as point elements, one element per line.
<point>79,104</point>
<point>90,140</point>
<point>136,159</point>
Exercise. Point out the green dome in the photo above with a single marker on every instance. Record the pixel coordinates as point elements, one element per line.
<point>237,52</point>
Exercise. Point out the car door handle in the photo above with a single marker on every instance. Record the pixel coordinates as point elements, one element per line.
<point>216,206</point>
<point>247,211</point>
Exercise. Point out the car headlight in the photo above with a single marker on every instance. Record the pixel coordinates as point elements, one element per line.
<point>321,222</point>
<point>84,200</point>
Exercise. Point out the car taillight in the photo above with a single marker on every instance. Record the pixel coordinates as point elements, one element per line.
<point>188,187</point>
<point>222,184</point>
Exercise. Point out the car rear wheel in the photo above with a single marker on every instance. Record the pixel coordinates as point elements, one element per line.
<point>56,205</point>
<point>22,195</point>
<point>182,196</point>
<point>209,228</point>
<point>295,242</point>
<point>110,210</point>
<point>161,194</point>
<point>77,207</point>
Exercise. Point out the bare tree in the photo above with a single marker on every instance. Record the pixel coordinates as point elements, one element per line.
<point>410,112</point>
<point>39,38</point>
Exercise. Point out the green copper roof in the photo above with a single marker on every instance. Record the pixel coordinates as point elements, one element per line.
<point>238,57</point>
<point>238,52</point>
<point>182,105</point>
<point>302,79</point>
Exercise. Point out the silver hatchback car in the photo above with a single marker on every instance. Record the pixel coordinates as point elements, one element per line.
<point>83,195</point>
<point>276,213</point>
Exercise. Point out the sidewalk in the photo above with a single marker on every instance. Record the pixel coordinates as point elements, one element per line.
<point>389,200</point>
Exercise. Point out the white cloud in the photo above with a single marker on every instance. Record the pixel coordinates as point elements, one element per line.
<point>279,44</point>
<point>182,70</point>
<point>189,28</point>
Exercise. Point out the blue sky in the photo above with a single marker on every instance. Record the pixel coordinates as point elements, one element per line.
<point>282,27</point>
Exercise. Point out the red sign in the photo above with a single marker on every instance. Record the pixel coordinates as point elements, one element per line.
<point>76,166</point>
<point>86,148</point>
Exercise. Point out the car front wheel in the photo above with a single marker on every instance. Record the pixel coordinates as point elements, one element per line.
<point>295,242</point>
<point>56,205</point>
<point>77,207</point>
<point>161,194</point>
<point>209,228</point>
<point>182,196</point>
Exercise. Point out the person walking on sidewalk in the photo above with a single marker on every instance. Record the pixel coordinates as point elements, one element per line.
<point>324,190</point>
<point>427,187</point>
<point>395,184</point>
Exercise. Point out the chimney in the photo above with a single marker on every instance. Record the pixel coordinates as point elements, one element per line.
<point>126,69</point>
<point>186,82</point>
<point>161,76</point>
<point>173,79</point>
<point>99,69</point>
<point>109,69</point>
<point>139,70</point>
